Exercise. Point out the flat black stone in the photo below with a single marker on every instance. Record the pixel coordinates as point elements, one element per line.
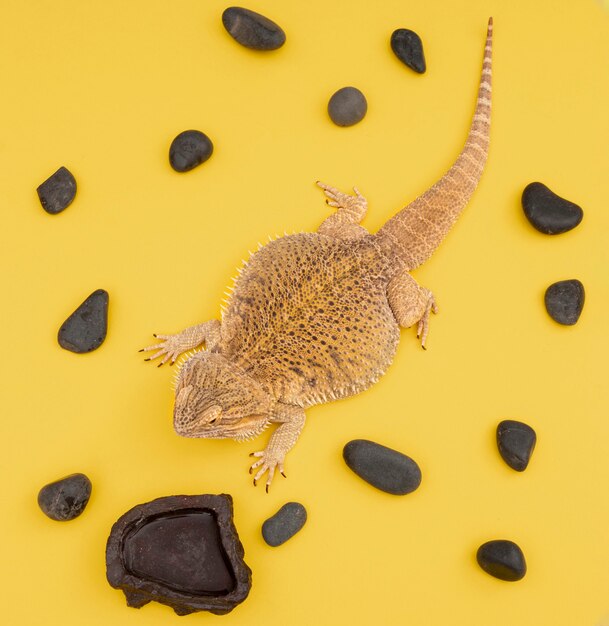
<point>85,330</point>
<point>189,149</point>
<point>382,467</point>
<point>58,191</point>
<point>252,30</point>
<point>408,47</point>
<point>347,106</point>
<point>182,551</point>
<point>290,518</point>
<point>502,559</point>
<point>66,498</point>
<point>564,301</point>
<point>547,212</point>
<point>516,442</point>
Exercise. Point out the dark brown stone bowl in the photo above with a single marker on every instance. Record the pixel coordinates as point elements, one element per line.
<point>182,551</point>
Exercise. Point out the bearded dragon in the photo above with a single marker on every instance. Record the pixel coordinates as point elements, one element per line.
<point>316,317</point>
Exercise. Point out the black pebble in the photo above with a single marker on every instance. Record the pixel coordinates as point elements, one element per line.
<point>252,30</point>
<point>290,518</point>
<point>85,330</point>
<point>189,149</point>
<point>66,498</point>
<point>502,559</point>
<point>516,442</point>
<point>382,467</point>
<point>548,212</point>
<point>564,301</point>
<point>408,47</point>
<point>347,106</point>
<point>57,192</point>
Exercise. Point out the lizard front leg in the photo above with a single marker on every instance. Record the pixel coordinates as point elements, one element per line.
<point>173,345</point>
<point>411,304</point>
<point>291,421</point>
<point>351,210</point>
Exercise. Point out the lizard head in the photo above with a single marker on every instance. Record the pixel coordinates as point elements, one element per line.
<point>217,400</point>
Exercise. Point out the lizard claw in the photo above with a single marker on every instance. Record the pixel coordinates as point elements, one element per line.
<point>423,326</point>
<point>170,349</point>
<point>267,462</point>
<point>339,200</point>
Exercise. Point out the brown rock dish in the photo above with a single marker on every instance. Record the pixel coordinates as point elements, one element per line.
<point>182,551</point>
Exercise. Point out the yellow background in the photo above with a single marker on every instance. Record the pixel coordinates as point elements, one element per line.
<point>103,88</point>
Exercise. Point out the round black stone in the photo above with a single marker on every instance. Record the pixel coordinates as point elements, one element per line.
<point>58,191</point>
<point>502,559</point>
<point>408,47</point>
<point>547,212</point>
<point>65,498</point>
<point>252,30</point>
<point>85,330</point>
<point>189,149</point>
<point>347,106</point>
<point>564,301</point>
<point>290,518</point>
<point>516,442</point>
<point>384,468</point>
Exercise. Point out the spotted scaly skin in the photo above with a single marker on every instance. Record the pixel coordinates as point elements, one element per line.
<point>316,317</point>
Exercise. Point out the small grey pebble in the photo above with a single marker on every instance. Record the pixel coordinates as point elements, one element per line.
<point>58,191</point>
<point>547,212</point>
<point>252,30</point>
<point>516,442</point>
<point>564,301</point>
<point>66,498</point>
<point>290,518</point>
<point>502,559</point>
<point>85,330</point>
<point>347,106</point>
<point>384,468</point>
<point>189,149</point>
<point>408,47</point>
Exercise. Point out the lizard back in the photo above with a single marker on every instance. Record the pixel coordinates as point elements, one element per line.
<point>309,318</point>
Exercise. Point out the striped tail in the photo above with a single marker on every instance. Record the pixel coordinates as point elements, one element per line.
<point>418,229</point>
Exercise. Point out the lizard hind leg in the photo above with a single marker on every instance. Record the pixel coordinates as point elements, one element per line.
<point>351,210</point>
<point>411,304</point>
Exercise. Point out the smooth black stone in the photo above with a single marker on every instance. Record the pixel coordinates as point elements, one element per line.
<point>65,498</point>
<point>502,559</point>
<point>85,330</point>
<point>408,47</point>
<point>382,467</point>
<point>347,106</point>
<point>189,149</point>
<point>548,212</point>
<point>516,442</point>
<point>58,191</point>
<point>564,301</point>
<point>182,551</point>
<point>252,30</point>
<point>290,518</point>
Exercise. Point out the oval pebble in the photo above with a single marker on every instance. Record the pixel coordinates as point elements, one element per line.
<point>347,106</point>
<point>408,47</point>
<point>252,30</point>
<point>547,212</point>
<point>58,191</point>
<point>516,442</point>
<point>66,498</point>
<point>189,149</point>
<point>384,468</point>
<point>502,559</point>
<point>85,330</point>
<point>564,301</point>
<point>290,518</point>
